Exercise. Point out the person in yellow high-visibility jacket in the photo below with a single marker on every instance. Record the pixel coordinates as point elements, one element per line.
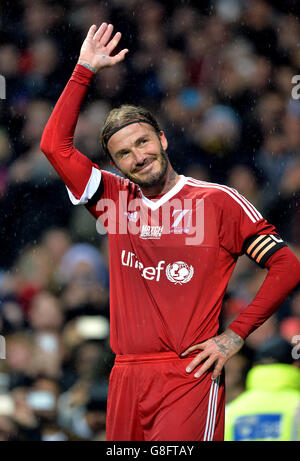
<point>269,409</point>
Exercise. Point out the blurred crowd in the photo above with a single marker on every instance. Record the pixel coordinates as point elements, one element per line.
<point>217,74</point>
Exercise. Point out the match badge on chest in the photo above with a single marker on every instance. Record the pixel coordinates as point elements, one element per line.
<point>151,232</point>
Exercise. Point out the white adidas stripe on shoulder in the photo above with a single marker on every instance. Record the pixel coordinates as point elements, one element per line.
<point>90,189</point>
<point>241,197</point>
<point>250,205</point>
<point>248,208</point>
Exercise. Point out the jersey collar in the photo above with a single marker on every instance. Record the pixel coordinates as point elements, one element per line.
<point>154,205</point>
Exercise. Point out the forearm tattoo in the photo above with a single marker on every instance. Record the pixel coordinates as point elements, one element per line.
<point>228,342</point>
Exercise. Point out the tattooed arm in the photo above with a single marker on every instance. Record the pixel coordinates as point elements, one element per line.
<point>216,351</point>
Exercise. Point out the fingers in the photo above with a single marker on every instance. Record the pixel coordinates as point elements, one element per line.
<point>192,349</point>
<point>98,35</point>
<point>205,367</point>
<point>98,46</point>
<point>91,31</point>
<point>218,369</point>
<point>119,57</point>
<point>113,43</point>
<point>106,36</point>
<point>196,361</point>
<point>210,359</point>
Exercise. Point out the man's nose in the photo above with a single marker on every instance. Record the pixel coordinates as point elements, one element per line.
<point>140,156</point>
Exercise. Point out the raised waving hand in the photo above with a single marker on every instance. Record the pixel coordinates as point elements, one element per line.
<point>97,47</point>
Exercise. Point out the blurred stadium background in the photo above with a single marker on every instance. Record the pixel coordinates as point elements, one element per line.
<point>217,74</point>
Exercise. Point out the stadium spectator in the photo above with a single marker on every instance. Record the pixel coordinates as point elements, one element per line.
<point>269,408</point>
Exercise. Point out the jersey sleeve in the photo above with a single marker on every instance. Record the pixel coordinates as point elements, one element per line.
<point>243,230</point>
<point>81,176</point>
<point>111,187</point>
<point>282,277</point>
<point>84,180</point>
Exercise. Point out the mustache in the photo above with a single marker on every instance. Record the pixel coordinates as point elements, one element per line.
<point>142,165</point>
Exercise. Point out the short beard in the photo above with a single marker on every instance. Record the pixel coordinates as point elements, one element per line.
<point>155,178</point>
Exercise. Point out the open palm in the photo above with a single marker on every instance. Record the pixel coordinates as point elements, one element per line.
<point>97,48</point>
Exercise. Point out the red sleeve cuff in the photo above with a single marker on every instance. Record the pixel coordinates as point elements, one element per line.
<point>82,75</point>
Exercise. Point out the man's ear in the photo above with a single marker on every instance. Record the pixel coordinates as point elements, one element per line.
<point>163,140</point>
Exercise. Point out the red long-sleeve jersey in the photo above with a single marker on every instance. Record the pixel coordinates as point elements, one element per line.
<point>170,257</point>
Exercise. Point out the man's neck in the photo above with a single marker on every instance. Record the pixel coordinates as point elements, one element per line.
<point>164,186</point>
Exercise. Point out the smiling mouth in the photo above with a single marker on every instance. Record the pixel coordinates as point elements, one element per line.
<point>145,167</point>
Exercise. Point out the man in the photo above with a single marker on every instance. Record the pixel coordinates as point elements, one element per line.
<point>269,409</point>
<point>173,245</point>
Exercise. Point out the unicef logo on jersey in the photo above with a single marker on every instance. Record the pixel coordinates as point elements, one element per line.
<point>179,272</point>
